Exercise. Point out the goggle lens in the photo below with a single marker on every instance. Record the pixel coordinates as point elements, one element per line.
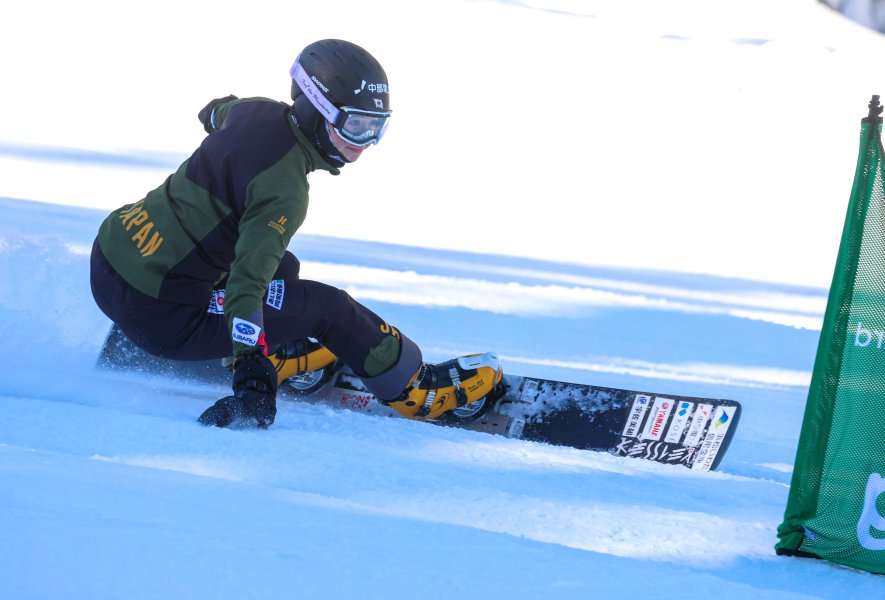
<point>362,128</point>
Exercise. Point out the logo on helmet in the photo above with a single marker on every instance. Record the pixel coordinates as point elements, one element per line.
<point>320,83</point>
<point>375,88</point>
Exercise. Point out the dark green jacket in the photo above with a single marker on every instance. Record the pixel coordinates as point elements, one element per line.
<point>228,211</point>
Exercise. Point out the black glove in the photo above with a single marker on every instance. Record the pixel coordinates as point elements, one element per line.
<point>254,400</point>
<point>205,115</point>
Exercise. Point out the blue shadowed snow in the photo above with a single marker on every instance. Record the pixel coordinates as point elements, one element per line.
<point>114,485</point>
<point>80,156</point>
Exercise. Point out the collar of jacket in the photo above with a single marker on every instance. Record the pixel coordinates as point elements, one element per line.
<point>313,155</point>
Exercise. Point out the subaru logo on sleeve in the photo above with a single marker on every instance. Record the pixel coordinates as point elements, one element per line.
<point>245,332</point>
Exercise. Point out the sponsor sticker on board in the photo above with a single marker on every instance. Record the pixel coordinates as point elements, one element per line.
<point>657,419</point>
<point>640,406</point>
<point>722,419</point>
<point>698,422</point>
<point>680,420</point>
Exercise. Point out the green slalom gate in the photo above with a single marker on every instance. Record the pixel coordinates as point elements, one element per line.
<point>836,505</point>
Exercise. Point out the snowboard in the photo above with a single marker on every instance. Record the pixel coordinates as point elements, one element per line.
<point>680,430</point>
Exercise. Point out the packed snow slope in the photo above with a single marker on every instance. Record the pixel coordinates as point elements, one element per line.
<point>111,489</point>
<point>645,195</point>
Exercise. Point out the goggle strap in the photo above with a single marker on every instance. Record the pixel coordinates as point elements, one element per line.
<point>313,93</point>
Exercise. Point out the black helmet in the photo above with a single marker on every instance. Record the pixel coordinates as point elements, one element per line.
<point>345,85</point>
<point>345,74</point>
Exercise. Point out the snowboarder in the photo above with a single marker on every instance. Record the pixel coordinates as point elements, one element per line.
<point>199,268</point>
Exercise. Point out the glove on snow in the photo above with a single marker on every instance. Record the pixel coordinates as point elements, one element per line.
<point>207,114</point>
<point>254,400</point>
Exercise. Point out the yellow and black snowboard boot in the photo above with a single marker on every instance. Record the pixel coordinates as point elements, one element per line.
<point>440,388</point>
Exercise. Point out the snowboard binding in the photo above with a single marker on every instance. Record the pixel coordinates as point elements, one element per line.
<point>306,383</point>
<point>303,366</point>
<point>475,410</point>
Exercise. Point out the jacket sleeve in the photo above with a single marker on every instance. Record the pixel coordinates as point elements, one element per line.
<point>275,208</point>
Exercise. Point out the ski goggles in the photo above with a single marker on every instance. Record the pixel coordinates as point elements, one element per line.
<point>356,126</point>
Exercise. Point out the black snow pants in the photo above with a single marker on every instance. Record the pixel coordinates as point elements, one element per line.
<point>297,309</point>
